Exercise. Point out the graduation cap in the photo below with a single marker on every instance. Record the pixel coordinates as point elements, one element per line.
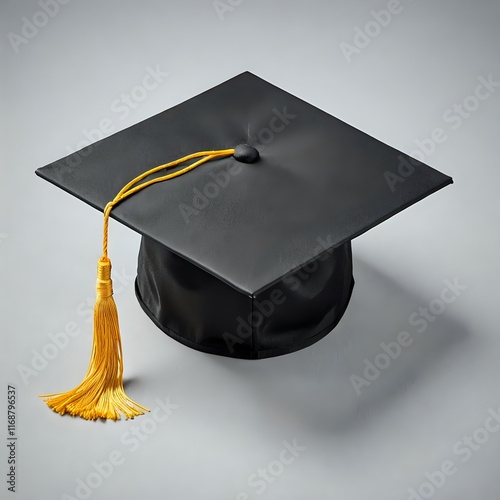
<point>249,255</point>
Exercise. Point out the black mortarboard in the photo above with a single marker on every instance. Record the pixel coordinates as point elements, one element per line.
<point>248,255</point>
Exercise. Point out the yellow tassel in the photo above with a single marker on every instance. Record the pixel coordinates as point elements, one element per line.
<point>101,393</point>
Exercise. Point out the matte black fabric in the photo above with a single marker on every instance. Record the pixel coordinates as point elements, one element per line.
<point>239,229</point>
<point>205,313</point>
<point>317,176</point>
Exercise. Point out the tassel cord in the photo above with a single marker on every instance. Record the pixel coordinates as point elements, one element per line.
<point>101,393</point>
<point>133,187</point>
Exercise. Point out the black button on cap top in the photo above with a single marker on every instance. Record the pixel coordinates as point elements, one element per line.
<point>246,153</point>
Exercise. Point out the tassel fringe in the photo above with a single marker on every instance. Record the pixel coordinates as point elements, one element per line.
<point>101,393</point>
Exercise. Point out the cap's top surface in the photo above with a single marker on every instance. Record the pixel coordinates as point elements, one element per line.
<point>317,183</point>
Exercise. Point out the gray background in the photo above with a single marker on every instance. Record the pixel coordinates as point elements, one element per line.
<point>233,415</point>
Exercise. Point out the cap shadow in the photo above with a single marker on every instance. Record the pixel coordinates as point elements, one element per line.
<point>314,385</point>
<point>130,383</point>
